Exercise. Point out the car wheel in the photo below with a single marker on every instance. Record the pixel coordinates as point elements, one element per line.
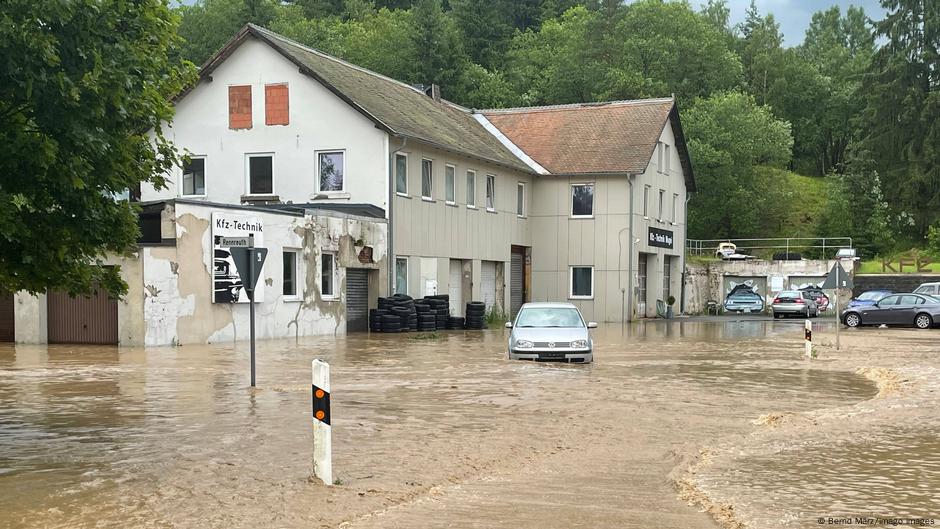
<point>853,320</point>
<point>923,321</point>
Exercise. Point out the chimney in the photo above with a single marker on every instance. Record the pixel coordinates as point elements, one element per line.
<point>433,91</point>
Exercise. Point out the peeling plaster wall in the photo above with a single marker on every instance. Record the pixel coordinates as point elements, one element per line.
<point>178,286</point>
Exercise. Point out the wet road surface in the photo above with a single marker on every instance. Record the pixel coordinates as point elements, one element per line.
<point>426,433</point>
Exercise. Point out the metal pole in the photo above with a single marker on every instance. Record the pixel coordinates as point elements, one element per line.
<point>838,291</point>
<point>251,304</point>
<point>322,431</point>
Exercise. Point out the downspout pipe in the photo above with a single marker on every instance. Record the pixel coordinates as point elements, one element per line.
<point>391,212</point>
<point>685,237</point>
<point>630,178</point>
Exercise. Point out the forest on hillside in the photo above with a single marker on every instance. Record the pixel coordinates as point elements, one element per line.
<point>855,105</point>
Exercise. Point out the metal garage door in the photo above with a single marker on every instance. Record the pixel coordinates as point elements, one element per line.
<point>488,277</point>
<point>92,319</point>
<point>516,283</point>
<point>456,287</point>
<point>357,300</point>
<point>6,318</point>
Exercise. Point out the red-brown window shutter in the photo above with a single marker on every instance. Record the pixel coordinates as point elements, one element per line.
<point>276,106</point>
<point>239,107</point>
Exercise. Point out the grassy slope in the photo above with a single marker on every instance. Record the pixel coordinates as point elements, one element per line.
<point>807,191</point>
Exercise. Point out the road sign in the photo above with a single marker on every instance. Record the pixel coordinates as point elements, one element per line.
<point>838,278</point>
<point>233,242</point>
<point>249,273</point>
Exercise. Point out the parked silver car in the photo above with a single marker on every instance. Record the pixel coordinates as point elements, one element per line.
<point>931,289</point>
<point>796,303</point>
<point>550,332</point>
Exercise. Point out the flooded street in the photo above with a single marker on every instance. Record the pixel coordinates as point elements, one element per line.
<point>446,432</point>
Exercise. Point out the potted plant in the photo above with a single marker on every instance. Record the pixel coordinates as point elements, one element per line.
<point>670,301</point>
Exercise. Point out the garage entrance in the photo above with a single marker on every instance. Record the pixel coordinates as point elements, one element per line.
<point>488,282</point>
<point>517,280</point>
<point>7,319</point>
<point>455,288</point>
<point>357,300</point>
<point>82,319</point>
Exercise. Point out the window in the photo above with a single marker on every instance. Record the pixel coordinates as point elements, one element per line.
<point>490,192</point>
<point>667,161</point>
<point>646,202</point>
<point>662,195</point>
<point>427,175</point>
<point>401,275</point>
<point>401,174</point>
<point>276,110</point>
<point>582,282</point>
<point>194,177</point>
<point>239,107</point>
<point>327,275</point>
<point>289,288</point>
<point>260,174</point>
<point>450,192</point>
<point>520,199</point>
<point>332,170</point>
<point>659,156</point>
<point>582,200</point>
<point>471,189</point>
<point>675,207</point>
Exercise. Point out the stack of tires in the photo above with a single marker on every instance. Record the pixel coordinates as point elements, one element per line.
<point>395,314</point>
<point>475,315</point>
<point>455,322</point>
<point>440,307</point>
<point>427,320</point>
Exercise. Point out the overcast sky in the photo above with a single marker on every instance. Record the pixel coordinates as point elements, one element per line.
<point>794,15</point>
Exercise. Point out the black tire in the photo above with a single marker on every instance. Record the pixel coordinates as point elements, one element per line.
<point>923,321</point>
<point>777,315</point>
<point>852,319</point>
<point>390,320</point>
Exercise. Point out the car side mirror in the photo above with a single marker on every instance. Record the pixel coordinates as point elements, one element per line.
<point>509,325</point>
<point>592,325</point>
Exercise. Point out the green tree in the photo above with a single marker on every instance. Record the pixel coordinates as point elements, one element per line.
<point>436,39</point>
<point>486,28</point>
<point>207,25</point>
<point>729,134</point>
<point>84,81</point>
<point>762,53</point>
<point>902,113</point>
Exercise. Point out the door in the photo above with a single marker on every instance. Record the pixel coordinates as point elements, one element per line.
<point>641,285</point>
<point>880,312</point>
<point>516,282</point>
<point>357,300</point>
<point>456,287</point>
<point>903,313</point>
<point>488,278</point>
<point>82,319</point>
<point>7,318</point>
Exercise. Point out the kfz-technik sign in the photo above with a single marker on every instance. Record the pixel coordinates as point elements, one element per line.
<point>660,238</point>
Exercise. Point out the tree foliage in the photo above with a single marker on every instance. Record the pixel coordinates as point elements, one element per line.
<point>83,82</point>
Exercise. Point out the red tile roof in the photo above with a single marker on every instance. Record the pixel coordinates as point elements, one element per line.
<point>615,137</point>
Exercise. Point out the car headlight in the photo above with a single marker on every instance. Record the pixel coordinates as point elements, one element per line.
<point>579,344</point>
<point>524,344</point>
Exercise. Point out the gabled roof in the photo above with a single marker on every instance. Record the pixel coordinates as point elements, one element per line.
<point>593,138</point>
<point>393,106</point>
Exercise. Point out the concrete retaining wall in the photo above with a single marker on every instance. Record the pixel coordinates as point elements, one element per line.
<point>895,282</point>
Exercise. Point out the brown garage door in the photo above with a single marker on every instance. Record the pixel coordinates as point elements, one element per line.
<point>91,319</point>
<point>6,318</point>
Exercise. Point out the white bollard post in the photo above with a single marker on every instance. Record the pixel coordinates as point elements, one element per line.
<point>808,335</point>
<point>322,431</point>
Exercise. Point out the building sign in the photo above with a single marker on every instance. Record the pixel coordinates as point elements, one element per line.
<point>660,238</point>
<point>227,228</point>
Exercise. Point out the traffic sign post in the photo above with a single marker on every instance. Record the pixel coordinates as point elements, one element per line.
<point>249,261</point>
<point>322,431</point>
<point>837,279</point>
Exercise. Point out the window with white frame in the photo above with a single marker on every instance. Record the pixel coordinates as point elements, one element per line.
<point>332,170</point>
<point>401,275</point>
<point>471,189</point>
<point>662,195</point>
<point>675,207</point>
<point>581,284</point>
<point>646,201</point>
<point>667,161</point>
<point>260,174</point>
<point>490,192</point>
<point>401,174</point>
<point>427,178</point>
<point>328,275</point>
<point>582,200</point>
<point>289,277</point>
<point>194,177</point>
<point>520,199</point>
<point>659,156</point>
<point>450,191</point>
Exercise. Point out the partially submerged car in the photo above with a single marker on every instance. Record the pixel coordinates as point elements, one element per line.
<point>742,298</point>
<point>550,332</point>
<point>917,310</point>
<point>794,303</point>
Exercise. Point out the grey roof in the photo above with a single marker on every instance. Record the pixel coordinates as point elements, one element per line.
<point>393,106</point>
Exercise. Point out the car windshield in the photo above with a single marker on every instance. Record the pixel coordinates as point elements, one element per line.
<point>871,296</point>
<point>790,294</point>
<point>549,317</point>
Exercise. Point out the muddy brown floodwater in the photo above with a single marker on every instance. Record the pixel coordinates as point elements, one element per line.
<point>446,432</point>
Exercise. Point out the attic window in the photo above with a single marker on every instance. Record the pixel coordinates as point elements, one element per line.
<point>276,104</point>
<point>239,107</point>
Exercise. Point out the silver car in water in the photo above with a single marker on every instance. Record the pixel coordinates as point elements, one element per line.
<point>550,332</point>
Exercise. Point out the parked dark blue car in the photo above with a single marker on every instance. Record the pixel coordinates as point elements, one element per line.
<point>868,298</point>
